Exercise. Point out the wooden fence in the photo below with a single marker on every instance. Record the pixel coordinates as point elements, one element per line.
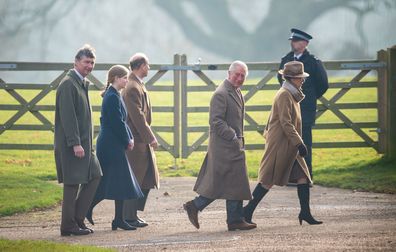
<point>180,137</point>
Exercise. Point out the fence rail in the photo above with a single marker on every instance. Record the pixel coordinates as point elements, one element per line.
<point>182,143</point>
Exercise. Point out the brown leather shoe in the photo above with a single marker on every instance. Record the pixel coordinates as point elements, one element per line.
<point>241,225</point>
<point>192,213</point>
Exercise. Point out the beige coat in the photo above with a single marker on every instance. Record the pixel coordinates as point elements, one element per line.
<point>283,135</point>
<point>73,126</point>
<point>142,157</point>
<point>223,174</point>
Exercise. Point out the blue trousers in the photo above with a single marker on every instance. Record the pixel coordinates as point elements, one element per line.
<point>234,208</point>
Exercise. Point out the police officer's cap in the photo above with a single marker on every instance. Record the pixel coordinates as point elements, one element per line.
<point>297,34</point>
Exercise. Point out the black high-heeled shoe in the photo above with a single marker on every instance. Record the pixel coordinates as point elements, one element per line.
<point>122,225</point>
<point>89,216</point>
<point>309,219</point>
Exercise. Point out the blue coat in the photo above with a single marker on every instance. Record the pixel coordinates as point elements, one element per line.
<point>118,181</point>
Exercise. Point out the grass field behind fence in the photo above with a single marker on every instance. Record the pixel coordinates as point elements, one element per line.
<point>27,177</point>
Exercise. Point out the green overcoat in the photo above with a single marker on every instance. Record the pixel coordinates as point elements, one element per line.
<point>73,126</point>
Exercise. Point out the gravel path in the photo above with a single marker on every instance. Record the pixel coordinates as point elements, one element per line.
<point>353,221</point>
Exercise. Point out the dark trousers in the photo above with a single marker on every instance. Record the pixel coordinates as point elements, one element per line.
<point>76,201</point>
<point>133,205</point>
<point>234,208</point>
<point>307,138</point>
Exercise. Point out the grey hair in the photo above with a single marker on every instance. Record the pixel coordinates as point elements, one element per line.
<point>237,63</point>
<point>87,51</point>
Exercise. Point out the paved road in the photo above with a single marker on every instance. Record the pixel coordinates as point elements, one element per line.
<point>353,221</point>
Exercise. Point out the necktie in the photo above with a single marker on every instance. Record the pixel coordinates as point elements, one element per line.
<point>145,95</point>
<point>238,90</point>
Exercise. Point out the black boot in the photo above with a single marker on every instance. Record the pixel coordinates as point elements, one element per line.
<point>258,194</point>
<point>305,213</point>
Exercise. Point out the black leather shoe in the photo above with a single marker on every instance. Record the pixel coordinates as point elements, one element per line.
<point>137,223</point>
<point>122,225</point>
<point>78,231</point>
<point>82,225</point>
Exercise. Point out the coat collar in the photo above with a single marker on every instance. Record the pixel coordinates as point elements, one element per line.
<point>72,73</point>
<point>232,91</point>
<point>113,90</point>
<point>290,56</point>
<point>296,93</point>
<point>133,77</point>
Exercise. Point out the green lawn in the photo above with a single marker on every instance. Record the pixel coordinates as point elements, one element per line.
<point>29,176</point>
<point>46,246</point>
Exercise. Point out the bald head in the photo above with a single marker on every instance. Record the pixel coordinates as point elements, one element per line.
<point>139,65</point>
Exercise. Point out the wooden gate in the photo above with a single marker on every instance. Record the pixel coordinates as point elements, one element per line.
<point>267,82</point>
<point>191,87</point>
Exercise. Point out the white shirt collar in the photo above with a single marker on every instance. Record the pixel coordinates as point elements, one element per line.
<point>79,75</point>
<point>297,56</point>
<point>140,80</point>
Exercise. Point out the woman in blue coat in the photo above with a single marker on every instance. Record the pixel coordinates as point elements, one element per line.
<point>118,182</point>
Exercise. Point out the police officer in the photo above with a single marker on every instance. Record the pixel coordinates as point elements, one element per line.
<point>313,88</point>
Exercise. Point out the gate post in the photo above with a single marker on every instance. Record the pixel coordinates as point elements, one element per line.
<point>382,56</point>
<point>184,114</point>
<point>391,99</point>
<point>176,104</point>
<point>386,102</point>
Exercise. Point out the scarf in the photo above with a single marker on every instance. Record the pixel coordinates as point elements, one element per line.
<point>297,93</point>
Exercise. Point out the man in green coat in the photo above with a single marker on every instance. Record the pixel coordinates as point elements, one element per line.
<point>76,163</point>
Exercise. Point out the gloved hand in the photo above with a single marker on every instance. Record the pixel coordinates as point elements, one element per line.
<point>302,150</point>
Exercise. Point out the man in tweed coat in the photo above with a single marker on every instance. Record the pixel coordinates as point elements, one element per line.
<point>223,174</point>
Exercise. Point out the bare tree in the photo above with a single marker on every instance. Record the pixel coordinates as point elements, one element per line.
<point>20,18</point>
<point>230,38</point>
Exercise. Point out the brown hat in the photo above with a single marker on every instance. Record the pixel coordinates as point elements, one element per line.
<point>293,69</point>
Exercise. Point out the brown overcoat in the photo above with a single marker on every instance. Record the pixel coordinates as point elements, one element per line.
<point>223,174</point>
<point>73,126</point>
<point>142,157</point>
<point>283,135</point>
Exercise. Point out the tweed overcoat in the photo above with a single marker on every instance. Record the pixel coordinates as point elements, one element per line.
<point>73,126</point>
<point>223,174</point>
<point>142,158</point>
<point>282,135</point>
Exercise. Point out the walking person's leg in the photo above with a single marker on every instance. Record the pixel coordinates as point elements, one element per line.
<point>192,207</point>
<point>235,219</point>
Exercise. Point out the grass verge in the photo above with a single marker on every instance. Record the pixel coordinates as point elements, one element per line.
<point>44,246</point>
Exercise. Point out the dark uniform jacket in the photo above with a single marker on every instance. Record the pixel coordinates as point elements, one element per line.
<point>314,86</point>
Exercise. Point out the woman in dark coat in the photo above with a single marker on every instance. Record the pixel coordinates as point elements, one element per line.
<point>283,160</point>
<point>118,182</point>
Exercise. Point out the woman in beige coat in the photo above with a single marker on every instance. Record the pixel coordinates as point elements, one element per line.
<point>283,160</point>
